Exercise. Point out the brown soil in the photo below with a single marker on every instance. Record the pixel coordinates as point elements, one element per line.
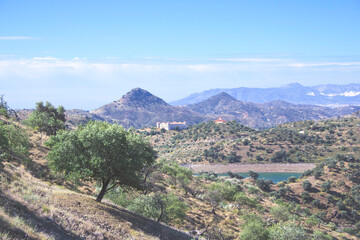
<point>243,168</point>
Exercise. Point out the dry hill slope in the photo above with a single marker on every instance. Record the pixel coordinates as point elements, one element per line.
<point>37,208</point>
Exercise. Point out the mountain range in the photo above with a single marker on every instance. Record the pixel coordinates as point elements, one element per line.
<point>139,108</point>
<point>325,95</point>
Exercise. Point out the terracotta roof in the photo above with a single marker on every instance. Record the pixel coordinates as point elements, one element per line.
<point>220,119</point>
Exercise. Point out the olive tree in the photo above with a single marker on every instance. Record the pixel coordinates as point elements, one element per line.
<point>177,173</point>
<point>101,152</point>
<point>46,118</point>
<point>287,231</point>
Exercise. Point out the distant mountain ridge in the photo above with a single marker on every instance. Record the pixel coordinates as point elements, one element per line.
<point>326,95</point>
<point>139,108</point>
<point>257,115</point>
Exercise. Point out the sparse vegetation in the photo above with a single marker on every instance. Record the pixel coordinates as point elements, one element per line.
<point>322,204</point>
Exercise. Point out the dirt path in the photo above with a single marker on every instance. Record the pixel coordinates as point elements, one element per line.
<point>243,168</point>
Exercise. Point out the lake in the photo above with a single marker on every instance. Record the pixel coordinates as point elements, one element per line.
<point>273,176</point>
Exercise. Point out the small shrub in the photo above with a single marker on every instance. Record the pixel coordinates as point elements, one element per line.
<point>264,184</point>
<point>316,203</point>
<point>313,220</point>
<point>326,186</point>
<point>253,175</point>
<point>254,229</point>
<point>340,205</point>
<point>45,209</point>
<point>292,179</point>
<point>241,199</point>
<point>306,185</point>
<point>331,225</point>
<point>287,231</point>
<point>318,174</point>
<point>281,213</point>
<point>317,235</point>
<point>306,197</point>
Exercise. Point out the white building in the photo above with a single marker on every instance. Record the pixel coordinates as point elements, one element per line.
<point>171,125</point>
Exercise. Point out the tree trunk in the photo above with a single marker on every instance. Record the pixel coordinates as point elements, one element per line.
<point>105,183</point>
<point>161,213</point>
<point>162,207</point>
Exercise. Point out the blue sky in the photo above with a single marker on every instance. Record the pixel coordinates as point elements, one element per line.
<point>83,54</point>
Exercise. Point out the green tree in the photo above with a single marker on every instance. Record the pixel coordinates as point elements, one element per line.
<point>161,207</point>
<point>3,107</point>
<point>177,173</point>
<point>4,142</point>
<point>14,142</point>
<point>46,118</point>
<point>253,175</point>
<point>306,185</point>
<point>102,152</point>
<point>241,199</point>
<point>280,212</point>
<point>292,179</point>
<point>287,231</point>
<point>254,229</point>
<point>218,192</point>
<point>326,186</point>
<point>264,184</point>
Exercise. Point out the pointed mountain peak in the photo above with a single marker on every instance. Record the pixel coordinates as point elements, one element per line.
<point>139,95</point>
<point>221,99</point>
<point>222,96</point>
<point>293,85</point>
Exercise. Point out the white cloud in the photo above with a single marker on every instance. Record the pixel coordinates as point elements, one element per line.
<point>249,60</point>
<point>330,64</point>
<point>45,58</point>
<point>15,38</point>
<point>345,94</point>
<point>42,66</point>
<point>310,94</point>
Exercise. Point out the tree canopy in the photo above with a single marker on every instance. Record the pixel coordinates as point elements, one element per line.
<point>3,107</point>
<point>46,118</point>
<point>102,152</point>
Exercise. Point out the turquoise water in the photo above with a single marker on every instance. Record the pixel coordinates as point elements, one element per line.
<point>275,177</point>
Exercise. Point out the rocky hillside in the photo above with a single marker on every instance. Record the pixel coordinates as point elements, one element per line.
<point>304,141</point>
<point>139,108</point>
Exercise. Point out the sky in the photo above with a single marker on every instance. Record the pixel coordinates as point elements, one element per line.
<point>84,54</point>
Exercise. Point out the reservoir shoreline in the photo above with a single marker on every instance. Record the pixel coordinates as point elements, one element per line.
<point>244,168</point>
